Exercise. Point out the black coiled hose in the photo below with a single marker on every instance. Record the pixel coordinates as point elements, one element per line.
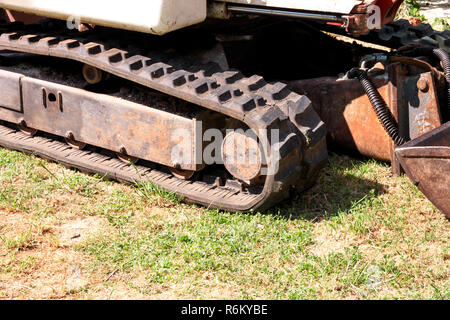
<point>379,105</point>
<point>443,56</point>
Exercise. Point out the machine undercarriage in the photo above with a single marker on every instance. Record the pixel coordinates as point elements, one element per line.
<point>132,106</point>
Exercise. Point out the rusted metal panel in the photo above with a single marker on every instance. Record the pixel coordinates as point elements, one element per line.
<point>348,115</point>
<point>422,102</point>
<point>426,161</point>
<point>10,91</point>
<point>155,16</point>
<point>106,121</point>
<point>353,124</point>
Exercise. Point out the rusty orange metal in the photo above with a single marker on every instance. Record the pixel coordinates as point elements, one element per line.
<point>128,128</point>
<point>353,124</point>
<point>426,161</point>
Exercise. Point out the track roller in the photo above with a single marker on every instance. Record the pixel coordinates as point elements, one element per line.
<point>93,75</point>
<point>182,174</point>
<point>125,157</point>
<point>70,140</point>
<point>25,129</point>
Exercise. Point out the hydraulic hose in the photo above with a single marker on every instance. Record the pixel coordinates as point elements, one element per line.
<point>379,105</point>
<point>443,56</point>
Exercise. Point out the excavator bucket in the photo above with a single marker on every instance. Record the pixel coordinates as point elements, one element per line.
<point>426,161</point>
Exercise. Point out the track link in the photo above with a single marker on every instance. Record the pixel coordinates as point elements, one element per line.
<point>300,152</point>
<point>401,33</point>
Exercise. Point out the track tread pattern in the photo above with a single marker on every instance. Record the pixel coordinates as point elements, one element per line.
<point>401,33</point>
<point>259,104</point>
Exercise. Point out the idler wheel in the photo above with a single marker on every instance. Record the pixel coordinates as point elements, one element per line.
<point>241,154</point>
<point>93,75</point>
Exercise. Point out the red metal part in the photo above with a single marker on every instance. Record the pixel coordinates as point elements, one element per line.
<point>351,122</point>
<point>388,9</point>
<point>359,17</point>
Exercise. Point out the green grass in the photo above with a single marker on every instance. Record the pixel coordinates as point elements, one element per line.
<point>359,233</point>
<point>415,9</point>
<point>441,23</point>
<point>152,192</point>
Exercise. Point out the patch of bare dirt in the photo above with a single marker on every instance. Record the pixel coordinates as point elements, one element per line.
<point>44,264</point>
<point>330,241</point>
<point>78,230</point>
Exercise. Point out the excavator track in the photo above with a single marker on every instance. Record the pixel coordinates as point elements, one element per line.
<point>402,33</point>
<point>301,150</point>
<point>113,168</point>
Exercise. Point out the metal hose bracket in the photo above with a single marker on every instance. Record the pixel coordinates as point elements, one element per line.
<point>443,56</point>
<point>445,59</point>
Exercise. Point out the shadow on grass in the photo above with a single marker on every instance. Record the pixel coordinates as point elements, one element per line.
<point>341,187</point>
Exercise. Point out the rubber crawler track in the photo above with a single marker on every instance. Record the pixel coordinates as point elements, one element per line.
<point>401,33</point>
<point>302,147</point>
